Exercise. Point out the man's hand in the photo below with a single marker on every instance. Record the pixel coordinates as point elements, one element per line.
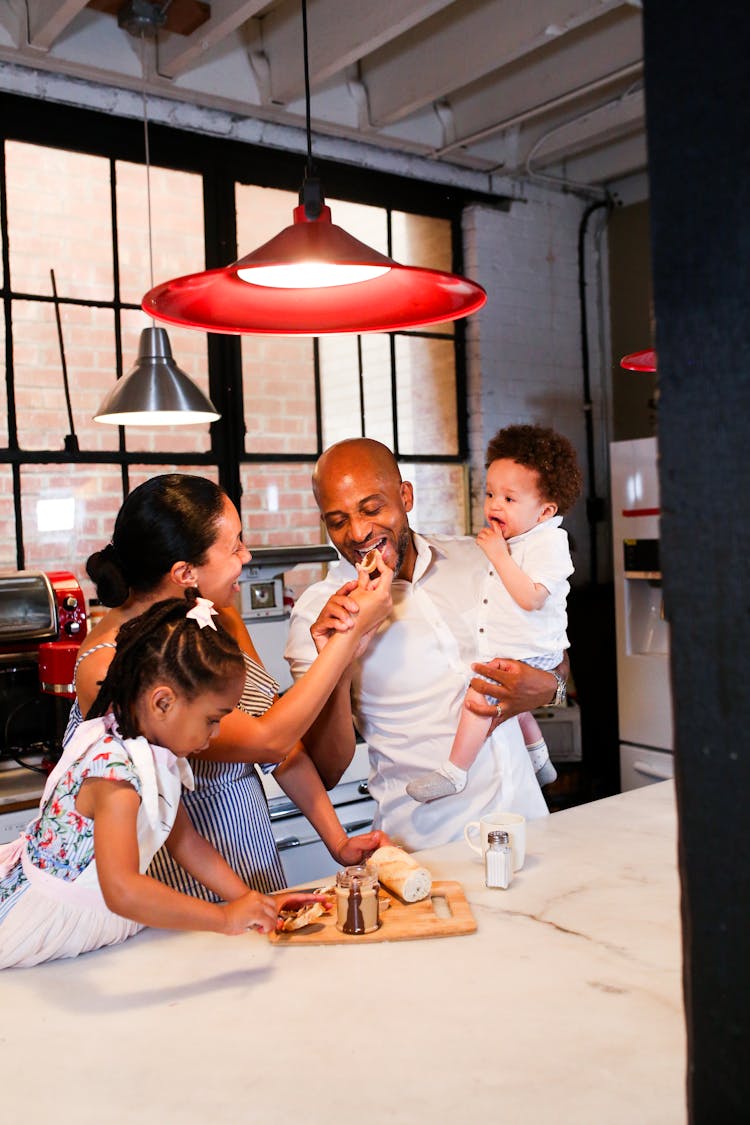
<point>516,686</point>
<point>357,849</point>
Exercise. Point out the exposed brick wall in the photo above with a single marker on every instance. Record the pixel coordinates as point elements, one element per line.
<point>523,347</point>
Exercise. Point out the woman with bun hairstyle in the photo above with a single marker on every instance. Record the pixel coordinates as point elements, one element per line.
<point>177,531</point>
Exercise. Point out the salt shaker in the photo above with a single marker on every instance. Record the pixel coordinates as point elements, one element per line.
<point>498,860</point>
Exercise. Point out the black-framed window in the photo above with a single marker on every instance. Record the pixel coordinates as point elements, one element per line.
<point>73,200</point>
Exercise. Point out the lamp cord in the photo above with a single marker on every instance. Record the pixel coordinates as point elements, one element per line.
<point>308,127</point>
<point>148,158</point>
<point>311,194</point>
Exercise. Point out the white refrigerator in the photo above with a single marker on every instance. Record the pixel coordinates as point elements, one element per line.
<point>643,675</point>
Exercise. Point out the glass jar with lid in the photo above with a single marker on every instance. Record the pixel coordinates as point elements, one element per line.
<point>357,900</point>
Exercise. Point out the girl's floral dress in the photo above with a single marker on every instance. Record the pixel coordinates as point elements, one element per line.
<point>61,841</point>
<point>51,904</point>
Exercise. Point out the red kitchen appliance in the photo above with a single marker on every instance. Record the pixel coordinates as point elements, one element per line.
<point>42,623</point>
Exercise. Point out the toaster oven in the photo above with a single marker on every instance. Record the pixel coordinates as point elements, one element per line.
<point>42,623</point>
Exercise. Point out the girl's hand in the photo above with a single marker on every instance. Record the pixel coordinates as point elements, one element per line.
<point>373,595</point>
<point>295,902</point>
<point>286,901</point>
<point>252,911</point>
<point>492,543</point>
<point>356,849</point>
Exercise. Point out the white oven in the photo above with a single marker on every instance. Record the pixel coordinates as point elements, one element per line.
<point>304,856</point>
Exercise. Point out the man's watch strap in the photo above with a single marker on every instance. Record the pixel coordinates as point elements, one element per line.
<point>561,691</point>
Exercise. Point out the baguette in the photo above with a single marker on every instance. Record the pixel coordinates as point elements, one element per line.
<point>400,873</point>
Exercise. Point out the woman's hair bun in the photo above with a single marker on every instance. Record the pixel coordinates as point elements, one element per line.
<point>104,570</point>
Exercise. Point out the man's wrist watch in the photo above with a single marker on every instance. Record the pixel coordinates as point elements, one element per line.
<point>561,691</point>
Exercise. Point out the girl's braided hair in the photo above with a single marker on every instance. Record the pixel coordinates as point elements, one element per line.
<point>164,644</point>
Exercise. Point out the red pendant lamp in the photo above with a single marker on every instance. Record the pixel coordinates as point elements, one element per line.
<point>639,361</point>
<point>313,278</point>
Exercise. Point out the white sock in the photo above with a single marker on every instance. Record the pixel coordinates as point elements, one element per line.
<point>539,754</point>
<point>456,774</point>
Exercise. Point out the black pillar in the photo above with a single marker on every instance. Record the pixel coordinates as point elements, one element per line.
<point>697,65</point>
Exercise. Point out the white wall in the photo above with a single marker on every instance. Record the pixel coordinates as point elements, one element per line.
<point>524,347</point>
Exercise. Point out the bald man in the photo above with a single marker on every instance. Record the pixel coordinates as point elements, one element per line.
<point>405,691</point>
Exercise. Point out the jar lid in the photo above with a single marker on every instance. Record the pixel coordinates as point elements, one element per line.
<point>363,873</point>
<point>497,836</point>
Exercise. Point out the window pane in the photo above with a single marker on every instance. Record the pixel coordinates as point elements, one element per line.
<point>59,217</point>
<point>376,364</point>
<point>440,504</point>
<point>138,473</point>
<point>261,214</point>
<point>426,396</point>
<point>4,396</point>
<point>190,352</point>
<point>368,224</point>
<point>68,512</point>
<point>341,407</point>
<point>419,240</point>
<point>278,391</point>
<point>2,227</point>
<point>278,508</point>
<point>41,410</point>
<point>342,403</point>
<point>7,520</point>
<point>177,226</point>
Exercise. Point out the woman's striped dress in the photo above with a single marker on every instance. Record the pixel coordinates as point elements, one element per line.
<point>228,807</point>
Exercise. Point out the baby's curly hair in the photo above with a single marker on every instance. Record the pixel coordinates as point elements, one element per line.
<point>548,453</point>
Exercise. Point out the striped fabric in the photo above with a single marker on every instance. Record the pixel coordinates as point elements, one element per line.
<point>228,807</point>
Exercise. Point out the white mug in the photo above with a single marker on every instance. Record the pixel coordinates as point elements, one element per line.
<point>512,823</point>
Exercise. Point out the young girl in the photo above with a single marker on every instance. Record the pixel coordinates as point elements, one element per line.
<point>75,880</point>
<point>532,475</point>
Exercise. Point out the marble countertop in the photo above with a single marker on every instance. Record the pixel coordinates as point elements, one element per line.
<point>564,1007</point>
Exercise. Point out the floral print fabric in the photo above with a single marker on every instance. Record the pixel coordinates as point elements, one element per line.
<point>61,841</point>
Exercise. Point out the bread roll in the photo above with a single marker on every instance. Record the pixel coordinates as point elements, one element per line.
<point>400,873</point>
<point>369,562</point>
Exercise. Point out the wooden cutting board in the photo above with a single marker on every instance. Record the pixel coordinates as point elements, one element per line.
<point>444,913</point>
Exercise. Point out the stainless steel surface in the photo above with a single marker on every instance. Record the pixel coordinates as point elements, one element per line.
<point>28,609</point>
<point>640,765</point>
<point>155,392</point>
<point>304,856</point>
<point>19,785</point>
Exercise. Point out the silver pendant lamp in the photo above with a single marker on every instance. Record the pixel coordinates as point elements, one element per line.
<point>155,392</point>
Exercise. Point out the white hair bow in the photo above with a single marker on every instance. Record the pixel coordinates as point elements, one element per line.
<point>202,612</point>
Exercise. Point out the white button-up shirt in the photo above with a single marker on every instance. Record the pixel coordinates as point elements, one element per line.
<point>408,690</point>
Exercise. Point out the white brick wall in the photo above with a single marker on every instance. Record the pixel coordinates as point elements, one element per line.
<point>524,347</point>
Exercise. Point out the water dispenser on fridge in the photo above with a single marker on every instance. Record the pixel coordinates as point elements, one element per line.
<point>643,673</point>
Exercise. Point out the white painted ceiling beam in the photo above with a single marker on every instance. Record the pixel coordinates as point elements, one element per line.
<point>178,53</point>
<point>12,25</point>
<point>464,43</point>
<point>594,59</point>
<point>594,129</point>
<point>604,166</point>
<point>339,33</point>
<point>48,19</point>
